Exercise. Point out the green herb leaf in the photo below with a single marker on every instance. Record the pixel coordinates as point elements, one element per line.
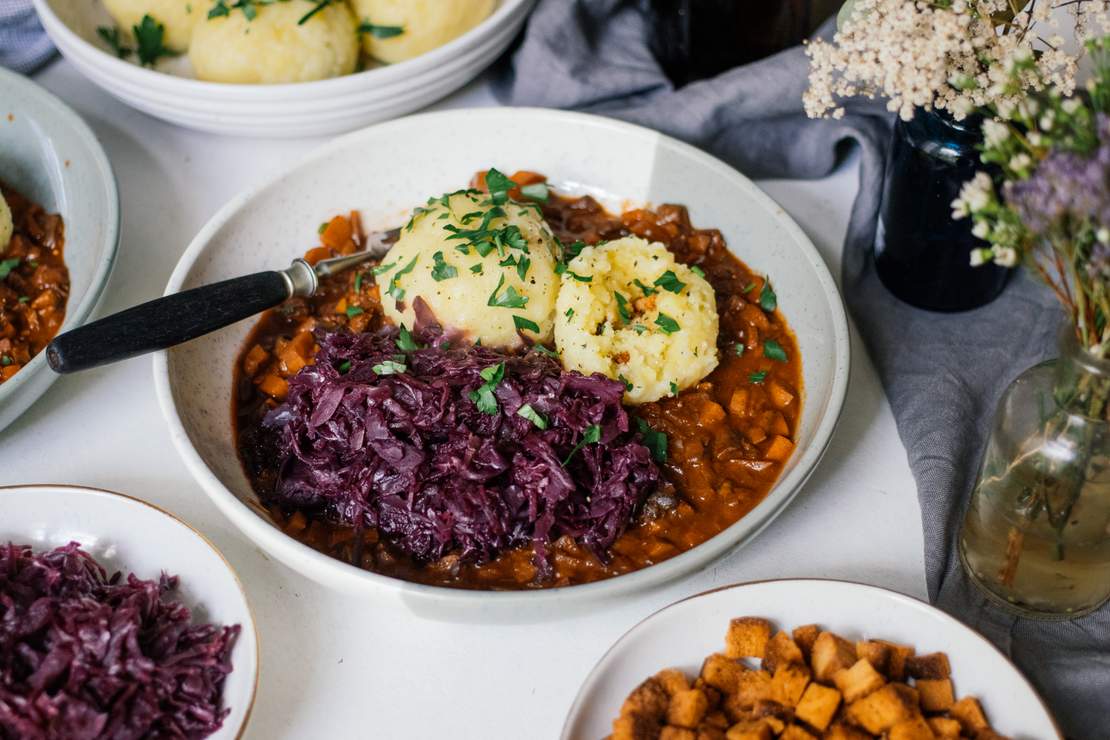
<point>774,351</point>
<point>112,38</point>
<point>758,377</point>
<point>476,269</point>
<point>639,328</point>
<point>561,269</point>
<point>358,283</point>
<point>483,398</point>
<point>5,360</point>
<point>622,307</point>
<point>345,367</point>
<point>24,299</point>
<point>648,290</point>
<point>6,266</point>
<point>498,185</point>
<point>522,323</point>
<point>493,374</point>
<point>389,367</point>
<point>570,313</point>
<point>380,32</point>
<point>522,266</point>
<point>533,416</point>
<point>656,442</point>
<point>441,270</point>
<point>320,5</point>
<point>149,37</point>
<point>219,10</point>
<point>545,351</point>
<point>738,348</point>
<point>572,250</point>
<point>627,385</point>
<point>322,227</point>
<point>674,388</point>
<point>405,342</point>
<point>510,299</point>
<point>589,437</point>
<point>395,288</point>
<point>353,311</point>
<point>382,268</point>
<point>768,301</point>
<point>697,271</point>
<point>749,287</point>
<point>536,191</point>
<point>667,324</point>
<point>669,281</point>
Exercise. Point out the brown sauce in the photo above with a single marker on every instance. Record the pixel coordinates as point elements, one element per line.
<point>35,286</point>
<point>729,436</point>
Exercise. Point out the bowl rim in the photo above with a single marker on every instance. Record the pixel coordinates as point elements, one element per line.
<point>292,93</point>
<point>106,493</point>
<point>62,116</point>
<point>897,596</point>
<point>740,532</point>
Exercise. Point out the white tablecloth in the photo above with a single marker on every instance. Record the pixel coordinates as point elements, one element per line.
<point>337,666</point>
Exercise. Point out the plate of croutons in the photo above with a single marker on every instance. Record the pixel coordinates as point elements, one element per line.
<point>803,659</point>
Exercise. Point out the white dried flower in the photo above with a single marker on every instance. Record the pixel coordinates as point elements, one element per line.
<point>995,132</point>
<point>1103,235</point>
<point>1020,162</point>
<point>981,229</point>
<point>1071,105</point>
<point>980,257</point>
<point>1005,256</point>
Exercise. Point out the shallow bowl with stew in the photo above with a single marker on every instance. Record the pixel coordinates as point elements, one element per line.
<point>132,536</point>
<point>684,633</point>
<point>385,170</point>
<point>320,108</point>
<point>50,155</point>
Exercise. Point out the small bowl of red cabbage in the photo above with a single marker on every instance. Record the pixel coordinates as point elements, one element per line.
<point>118,621</point>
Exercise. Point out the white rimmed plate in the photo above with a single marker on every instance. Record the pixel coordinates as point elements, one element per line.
<point>319,108</point>
<point>384,171</point>
<point>132,536</point>
<point>683,634</point>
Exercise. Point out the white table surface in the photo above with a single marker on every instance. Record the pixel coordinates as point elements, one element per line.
<point>337,666</point>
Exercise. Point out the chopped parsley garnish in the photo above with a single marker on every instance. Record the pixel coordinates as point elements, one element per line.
<point>522,323</point>
<point>536,191</point>
<point>345,367</point>
<point>674,388</point>
<point>510,299</point>
<point>6,266</point>
<point>669,281</point>
<point>768,301</point>
<point>483,398</point>
<point>353,311</point>
<point>358,283</point>
<point>627,385</point>
<point>382,268</point>
<point>772,350</point>
<point>112,38</point>
<point>476,269</point>
<point>389,367</point>
<point>639,328</point>
<point>667,324</point>
<point>591,436</point>
<point>572,250</point>
<point>570,313</point>
<point>749,287</point>
<point>697,271</point>
<point>522,265</point>
<point>405,342</point>
<point>738,348</point>
<point>499,186</point>
<point>656,442</point>
<point>149,37</point>
<point>533,416</point>
<point>561,269</point>
<point>758,377</point>
<point>5,360</point>
<point>545,351</point>
<point>380,32</point>
<point>24,298</point>
<point>622,307</point>
<point>441,270</point>
<point>395,288</point>
<point>648,290</point>
<point>322,227</point>
<point>320,5</point>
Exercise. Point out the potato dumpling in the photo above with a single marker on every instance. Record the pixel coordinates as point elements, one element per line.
<point>425,24</point>
<point>485,272</point>
<point>6,227</point>
<point>629,311</point>
<point>274,47</point>
<point>178,17</point>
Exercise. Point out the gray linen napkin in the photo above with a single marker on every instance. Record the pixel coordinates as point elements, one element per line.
<point>942,373</point>
<point>24,46</point>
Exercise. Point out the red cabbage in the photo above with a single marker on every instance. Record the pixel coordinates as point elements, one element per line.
<point>85,655</point>
<point>411,453</point>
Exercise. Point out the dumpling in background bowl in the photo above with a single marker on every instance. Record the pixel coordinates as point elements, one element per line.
<point>177,16</point>
<point>281,43</point>
<point>424,25</point>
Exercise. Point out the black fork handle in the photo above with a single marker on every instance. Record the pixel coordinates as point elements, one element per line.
<point>165,322</point>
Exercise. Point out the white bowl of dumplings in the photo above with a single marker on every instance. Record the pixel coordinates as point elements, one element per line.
<point>281,68</point>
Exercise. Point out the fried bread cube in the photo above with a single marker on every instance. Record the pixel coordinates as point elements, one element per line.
<point>805,636</point>
<point>933,665</point>
<point>751,687</point>
<point>880,710</point>
<point>969,713</point>
<point>789,683</point>
<point>712,694</point>
<point>944,728</point>
<point>841,730</point>
<point>858,681</point>
<point>710,732</point>
<point>773,713</point>
<point>747,637</point>
<point>794,732</point>
<point>830,654</point>
<point>677,733</point>
<point>749,731</point>
<point>649,699</point>
<point>672,680</point>
<point>936,694</point>
<point>635,727</point>
<point>874,652</point>
<point>818,706</point>
<point>687,708</point>
<point>717,719</point>
<point>911,729</point>
<point>782,650</point>
<point>899,654</point>
<point>722,672</point>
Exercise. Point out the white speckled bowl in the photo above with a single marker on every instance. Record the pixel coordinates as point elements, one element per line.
<point>319,108</point>
<point>50,155</point>
<point>384,171</point>
<point>133,536</point>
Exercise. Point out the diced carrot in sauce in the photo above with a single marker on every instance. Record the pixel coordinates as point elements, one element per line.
<point>291,360</point>
<point>336,233</point>
<point>302,344</point>
<point>738,404</point>
<point>254,360</point>
<point>316,254</point>
<point>779,395</point>
<point>712,413</point>
<point>274,386</point>
<point>779,449</point>
<point>778,424</point>
<point>756,434</point>
<point>8,371</point>
<point>341,305</point>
